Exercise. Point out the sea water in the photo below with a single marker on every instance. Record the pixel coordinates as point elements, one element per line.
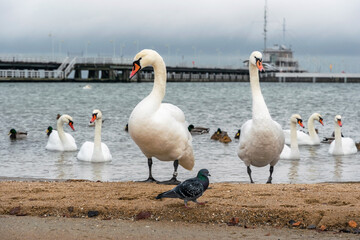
<point>32,107</point>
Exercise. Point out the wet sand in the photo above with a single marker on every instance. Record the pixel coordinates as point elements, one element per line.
<point>232,209</point>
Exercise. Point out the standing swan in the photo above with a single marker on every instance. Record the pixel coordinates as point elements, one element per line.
<point>160,129</point>
<point>341,145</point>
<point>59,140</point>
<point>95,151</point>
<point>292,152</point>
<point>262,139</point>
<point>307,139</point>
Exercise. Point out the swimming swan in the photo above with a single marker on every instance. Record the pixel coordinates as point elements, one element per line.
<point>59,140</point>
<point>160,129</point>
<point>292,152</point>
<point>307,139</point>
<point>341,145</point>
<point>262,139</point>
<point>95,151</point>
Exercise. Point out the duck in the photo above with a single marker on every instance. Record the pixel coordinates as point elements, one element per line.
<point>197,130</point>
<point>341,145</point>
<point>17,135</point>
<point>96,151</point>
<point>160,129</point>
<point>126,127</point>
<point>237,135</point>
<point>262,139</point>
<point>60,140</point>
<point>49,131</point>
<point>292,152</point>
<point>307,139</point>
<point>221,136</point>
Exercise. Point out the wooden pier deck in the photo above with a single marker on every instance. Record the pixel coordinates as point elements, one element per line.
<point>81,69</point>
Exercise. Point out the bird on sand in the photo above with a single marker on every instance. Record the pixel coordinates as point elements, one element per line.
<point>191,189</point>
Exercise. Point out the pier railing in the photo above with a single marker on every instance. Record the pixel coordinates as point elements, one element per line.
<point>33,74</point>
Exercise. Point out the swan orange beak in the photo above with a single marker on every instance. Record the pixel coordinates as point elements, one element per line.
<point>300,123</point>
<point>135,69</point>
<point>339,122</point>
<point>71,125</point>
<point>321,121</point>
<point>93,118</point>
<point>260,66</point>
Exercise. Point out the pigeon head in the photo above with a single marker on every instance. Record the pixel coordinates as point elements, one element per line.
<point>203,173</point>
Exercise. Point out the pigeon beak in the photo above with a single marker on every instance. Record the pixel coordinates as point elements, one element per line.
<point>209,175</point>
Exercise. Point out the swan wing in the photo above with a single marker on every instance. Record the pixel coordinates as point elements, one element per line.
<point>86,151</point>
<point>54,143</point>
<point>349,146</point>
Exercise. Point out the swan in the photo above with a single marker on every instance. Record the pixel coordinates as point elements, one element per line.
<point>95,151</point>
<point>262,139</point>
<point>16,135</point>
<point>59,140</point>
<point>292,152</point>
<point>160,129</point>
<point>341,145</point>
<point>307,139</point>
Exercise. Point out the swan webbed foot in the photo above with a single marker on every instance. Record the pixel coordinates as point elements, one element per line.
<point>269,180</point>
<point>149,180</point>
<point>172,181</point>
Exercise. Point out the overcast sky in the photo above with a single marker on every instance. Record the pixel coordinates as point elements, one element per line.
<point>200,28</point>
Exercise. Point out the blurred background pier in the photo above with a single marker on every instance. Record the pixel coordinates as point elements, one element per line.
<point>110,69</point>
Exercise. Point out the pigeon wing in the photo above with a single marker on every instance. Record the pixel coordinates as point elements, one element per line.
<point>190,189</point>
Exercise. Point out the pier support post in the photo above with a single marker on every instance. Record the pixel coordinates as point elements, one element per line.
<point>77,73</point>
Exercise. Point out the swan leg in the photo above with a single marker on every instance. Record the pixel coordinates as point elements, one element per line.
<point>150,178</point>
<point>271,172</point>
<point>173,180</point>
<point>249,172</point>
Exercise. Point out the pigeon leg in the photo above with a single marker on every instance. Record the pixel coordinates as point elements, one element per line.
<point>150,178</point>
<point>249,172</point>
<point>200,203</point>
<point>271,172</point>
<point>173,180</point>
<point>186,206</point>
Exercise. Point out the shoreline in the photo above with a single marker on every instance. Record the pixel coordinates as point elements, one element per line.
<point>327,206</point>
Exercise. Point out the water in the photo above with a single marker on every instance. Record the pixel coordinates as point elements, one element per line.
<point>34,106</point>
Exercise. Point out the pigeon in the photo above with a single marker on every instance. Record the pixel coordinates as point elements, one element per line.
<point>189,190</point>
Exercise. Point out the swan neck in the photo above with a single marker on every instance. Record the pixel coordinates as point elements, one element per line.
<point>311,127</point>
<point>338,140</point>
<point>159,88</point>
<point>259,108</point>
<point>97,137</point>
<point>293,138</point>
<point>60,129</point>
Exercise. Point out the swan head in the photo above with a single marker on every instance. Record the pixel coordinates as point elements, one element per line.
<point>318,117</point>
<point>296,118</point>
<point>256,60</point>
<point>144,58</point>
<point>338,120</point>
<point>96,115</point>
<point>66,119</point>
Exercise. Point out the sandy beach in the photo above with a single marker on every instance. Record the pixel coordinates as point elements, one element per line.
<point>316,209</point>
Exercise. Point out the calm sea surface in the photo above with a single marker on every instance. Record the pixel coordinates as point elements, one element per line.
<point>32,107</point>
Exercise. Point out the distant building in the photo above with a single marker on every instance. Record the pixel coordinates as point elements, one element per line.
<point>279,58</point>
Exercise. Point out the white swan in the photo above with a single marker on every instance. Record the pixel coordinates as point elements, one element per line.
<point>292,152</point>
<point>59,140</point>
<point>341,145</point>
<point>160,129</point>
<point>95,151</point>
<point>262,139</point>
<point>307,139</point>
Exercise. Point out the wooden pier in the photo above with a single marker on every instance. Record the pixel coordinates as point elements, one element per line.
<point>76,69</point>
